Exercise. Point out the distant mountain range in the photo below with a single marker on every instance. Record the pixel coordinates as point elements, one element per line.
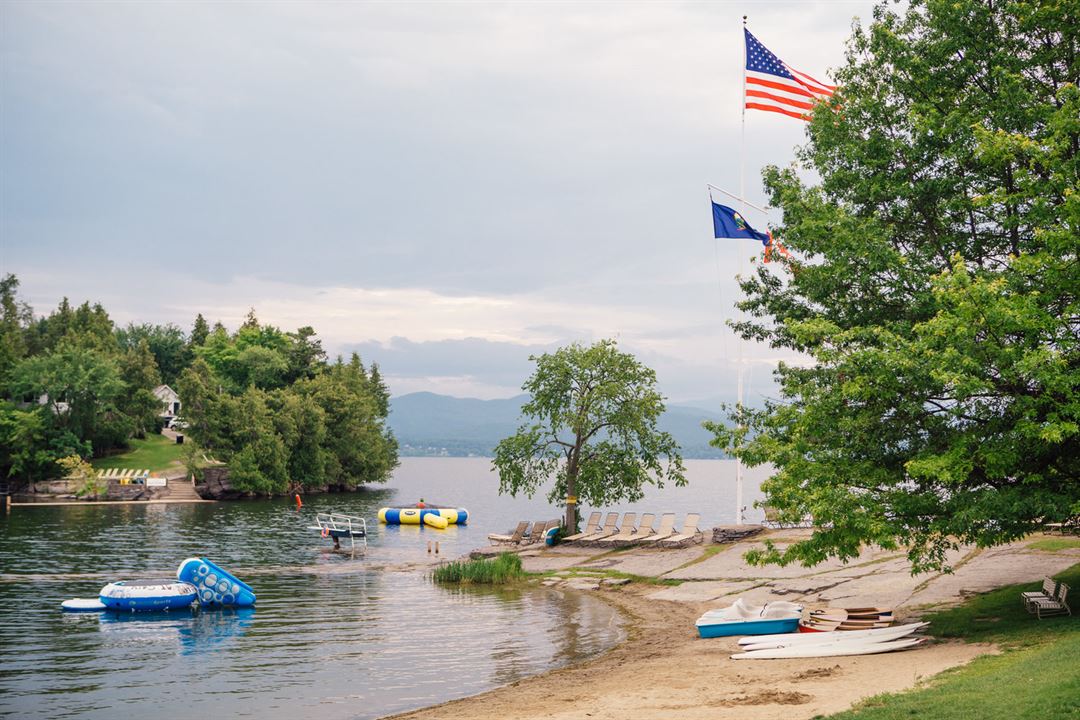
<point>439,425</point>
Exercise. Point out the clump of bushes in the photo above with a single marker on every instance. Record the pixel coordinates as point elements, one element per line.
<point>501,570</point>
<point>90,484</point>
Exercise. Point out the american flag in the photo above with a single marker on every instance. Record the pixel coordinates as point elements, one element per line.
<point>775,86</point>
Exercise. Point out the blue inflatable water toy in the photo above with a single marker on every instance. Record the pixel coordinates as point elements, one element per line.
<point>144,595</point>
<point>216,587</point>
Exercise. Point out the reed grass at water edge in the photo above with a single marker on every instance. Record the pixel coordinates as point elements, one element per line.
<point>503,569</point>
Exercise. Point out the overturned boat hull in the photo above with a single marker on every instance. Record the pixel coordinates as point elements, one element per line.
<point>711,628</point>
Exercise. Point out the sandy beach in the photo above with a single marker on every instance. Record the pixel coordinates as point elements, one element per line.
<point>663,670</point>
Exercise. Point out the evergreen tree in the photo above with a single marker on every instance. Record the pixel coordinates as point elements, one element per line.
<point>199,332</point>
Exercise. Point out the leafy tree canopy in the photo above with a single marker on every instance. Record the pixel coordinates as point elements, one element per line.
<point>166,342</point>
<point>263,401</point>
<point>934,284</point>
<point>592,427</point>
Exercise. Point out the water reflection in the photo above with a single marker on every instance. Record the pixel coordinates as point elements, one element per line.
<point>190,632</point>
<point>332,636</point>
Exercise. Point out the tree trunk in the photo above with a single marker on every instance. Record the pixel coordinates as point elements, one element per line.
<point>571,507</point>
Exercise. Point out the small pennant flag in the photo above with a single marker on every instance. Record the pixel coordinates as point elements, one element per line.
<point>774,86</point>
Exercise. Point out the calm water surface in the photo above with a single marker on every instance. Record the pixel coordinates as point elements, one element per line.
<point>332,636</point>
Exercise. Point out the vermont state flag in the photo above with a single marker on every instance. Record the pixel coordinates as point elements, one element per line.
<point>729,224</point>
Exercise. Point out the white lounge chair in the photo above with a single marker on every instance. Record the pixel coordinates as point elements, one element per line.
<point>666,530</point>
<point>591,526</point>
<point>609,528</point>
<point>644,531</point>
<point>1051,606</point>
<point>690,534</point>
<point>1049,587</point>
<point>513,538</point>
<point>626,531</point>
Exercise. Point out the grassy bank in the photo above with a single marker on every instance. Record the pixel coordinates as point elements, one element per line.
<point>1036,676</point>
<point>500,570</point>
<point>155,453</point>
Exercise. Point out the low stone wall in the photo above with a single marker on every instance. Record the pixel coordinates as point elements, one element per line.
<point>61,486</point>
<point>734,533</point>
<point>65,489</point>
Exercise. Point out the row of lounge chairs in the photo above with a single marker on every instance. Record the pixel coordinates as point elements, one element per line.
<point>632,534</point>
<point>124,476</point>
<point>523,534</point>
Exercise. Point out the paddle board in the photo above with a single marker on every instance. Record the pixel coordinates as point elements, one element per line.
<point>831,650</point>
<point>83,605</point>
<point>819,639</point>
<point>813,637</point>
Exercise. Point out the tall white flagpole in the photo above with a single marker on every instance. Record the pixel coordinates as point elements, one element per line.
<point>742,194</point>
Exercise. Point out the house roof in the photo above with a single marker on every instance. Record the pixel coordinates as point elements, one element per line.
<point>163,391</point>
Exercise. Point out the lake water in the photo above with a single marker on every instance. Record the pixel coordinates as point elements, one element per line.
<point>333,635</point>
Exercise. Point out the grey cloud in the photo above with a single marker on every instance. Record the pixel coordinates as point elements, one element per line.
<point>492,363</point>
<point>556,151</point>
<point>475,147</point>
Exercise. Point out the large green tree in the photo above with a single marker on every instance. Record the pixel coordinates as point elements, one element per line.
<point>934,284</point>
<point>15,317</point>
<point>591,426</point>
<point>25,452</point>
<point>139,371</point>
<point>80,388</point>
<point>170,348</point>
<point>360,447</point>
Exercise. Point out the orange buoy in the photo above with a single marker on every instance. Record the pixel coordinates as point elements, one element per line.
<point>298,503</point>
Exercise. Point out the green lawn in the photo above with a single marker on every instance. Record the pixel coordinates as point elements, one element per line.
<point>155,453</point>
<point>1053,544</point>
<point>1037,676</point>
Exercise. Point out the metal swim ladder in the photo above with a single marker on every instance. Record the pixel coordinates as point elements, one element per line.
<point>339,525</point>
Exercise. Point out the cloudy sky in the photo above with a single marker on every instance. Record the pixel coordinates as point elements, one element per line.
<point>445,188</point>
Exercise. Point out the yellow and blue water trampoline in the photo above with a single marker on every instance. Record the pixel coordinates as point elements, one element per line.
<point>423,514</point>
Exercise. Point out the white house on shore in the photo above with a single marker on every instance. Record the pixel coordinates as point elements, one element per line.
<point>170,402</point>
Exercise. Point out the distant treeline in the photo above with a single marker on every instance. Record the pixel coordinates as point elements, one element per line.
<point>266,402</point>
<point>468,448</point>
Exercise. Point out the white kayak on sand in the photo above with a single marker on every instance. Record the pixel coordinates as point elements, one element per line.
<point>791,639</point>
<point>867,647</point>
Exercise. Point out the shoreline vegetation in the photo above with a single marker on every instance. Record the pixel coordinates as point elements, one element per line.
<point>982,640</point>
<point>500,570</point>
